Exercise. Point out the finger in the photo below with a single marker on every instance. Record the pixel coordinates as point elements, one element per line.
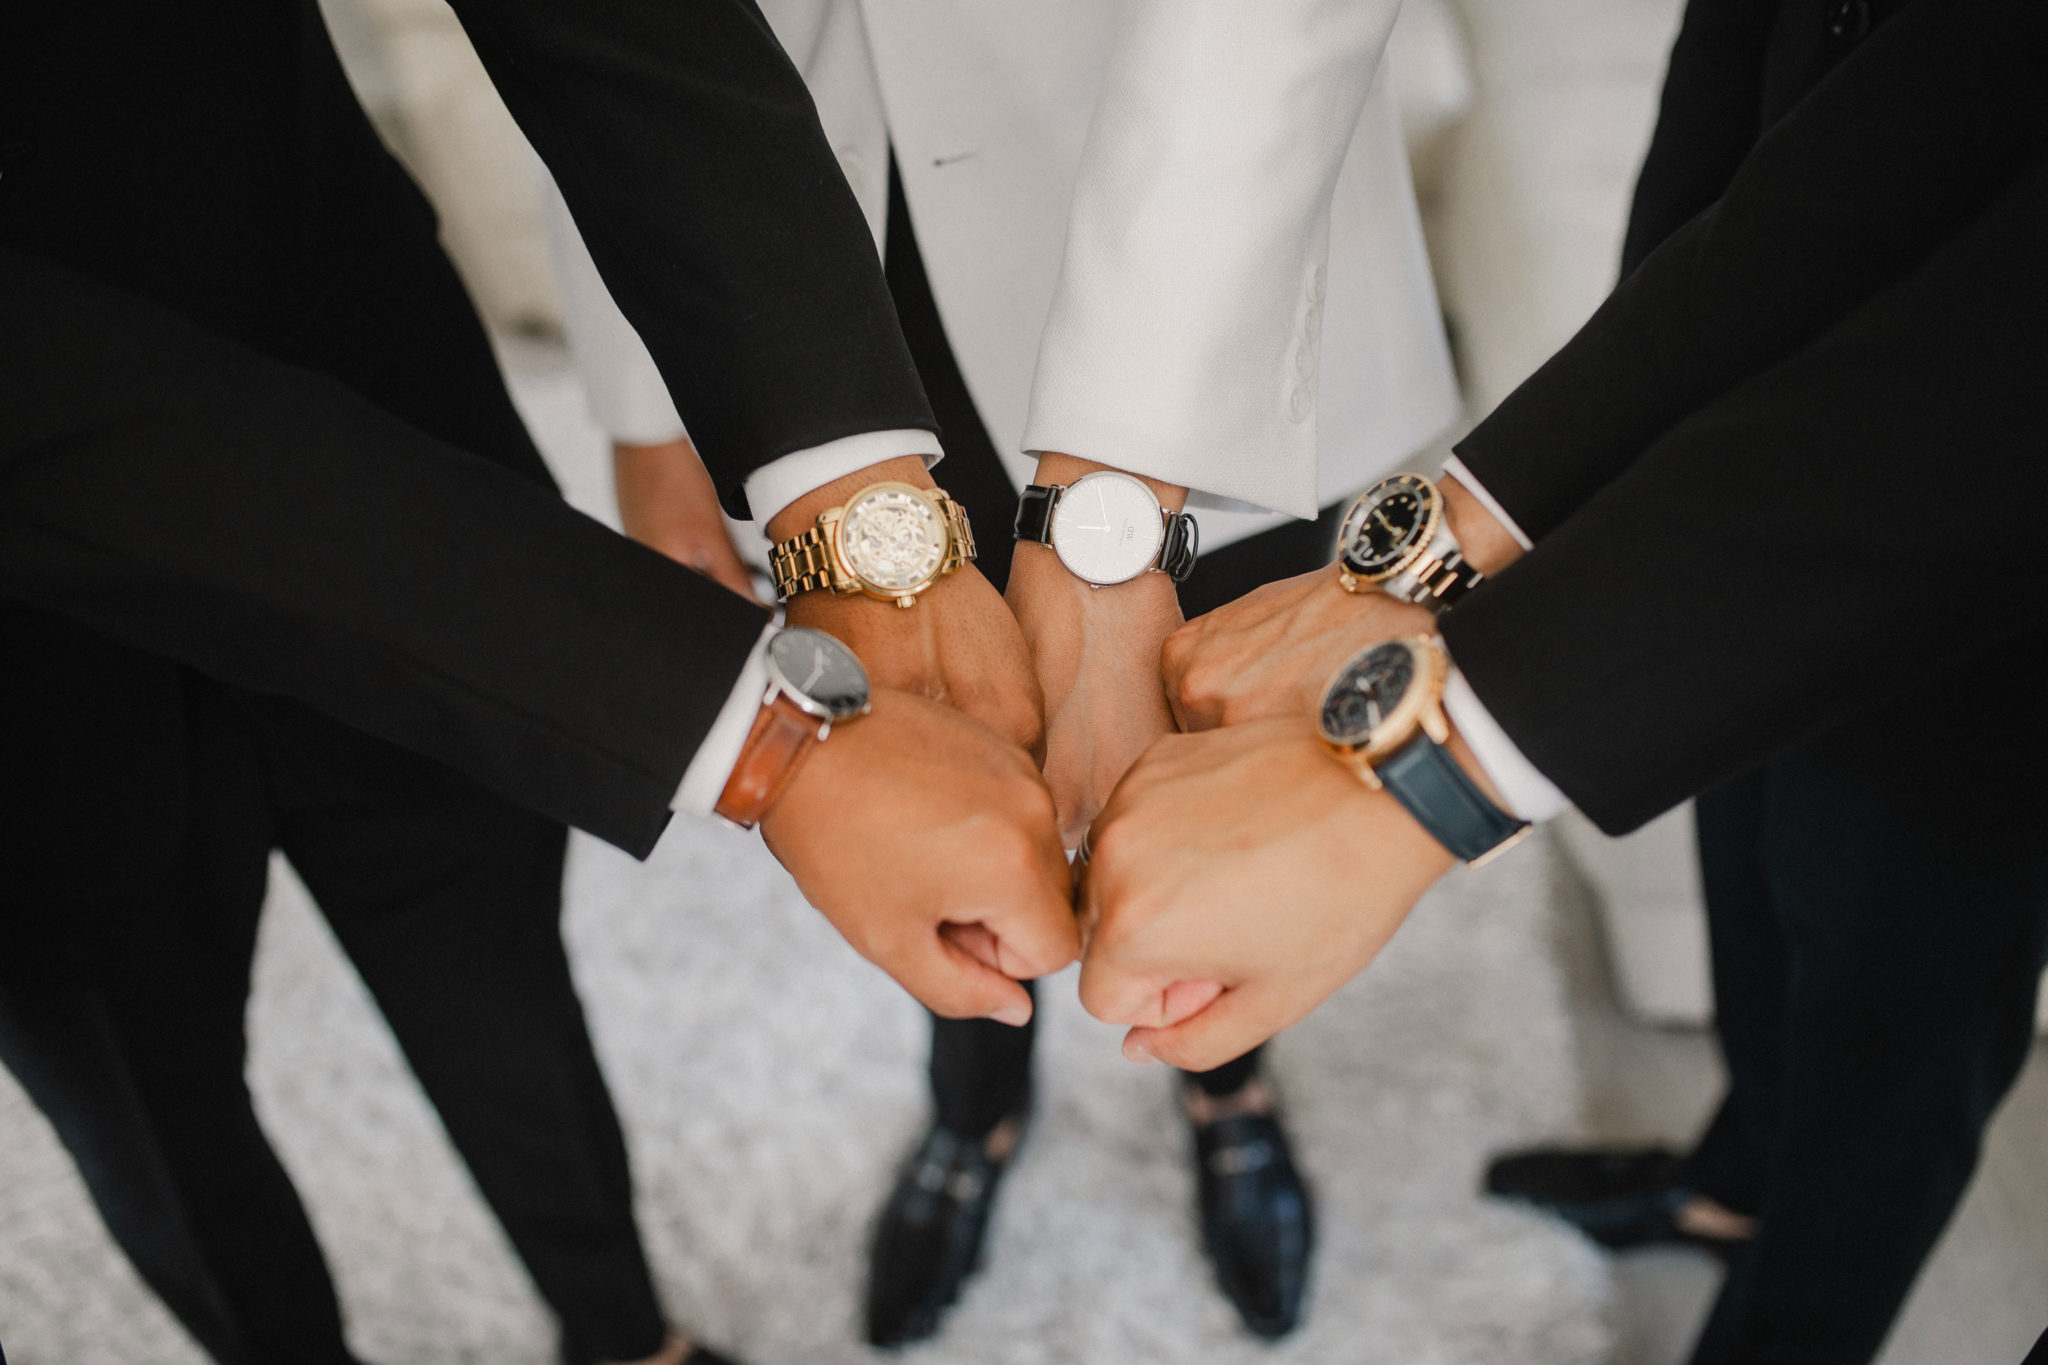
<point>976,941</point>
<point>1175,655</point>
<point>1026,942</point>
<point>1024,912</point>
<point>1117,992</point>
<point>1194,703</point>
<point>953,983</point>
<point>1185,999</point>
<point>1235,1023</point>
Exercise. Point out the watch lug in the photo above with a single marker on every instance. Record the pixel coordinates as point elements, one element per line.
<point>1436,724</point>
<point>1363,768</point>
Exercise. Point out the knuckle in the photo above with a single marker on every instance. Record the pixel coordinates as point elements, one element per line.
<point>1199,685</point>
<point>1099,992</point>
<point>1179,649</point>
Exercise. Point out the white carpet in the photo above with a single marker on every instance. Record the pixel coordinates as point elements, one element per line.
<point>770,1080</point>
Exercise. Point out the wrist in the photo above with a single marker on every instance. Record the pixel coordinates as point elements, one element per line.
<point>1055,467</point>
<point>1487,545</point>
<point>798,516</point>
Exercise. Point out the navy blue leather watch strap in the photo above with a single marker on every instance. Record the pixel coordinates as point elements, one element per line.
<point>1426,780</point>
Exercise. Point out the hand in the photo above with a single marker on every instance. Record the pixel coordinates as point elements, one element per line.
<point>667,503</point>
<point>1239,877</point>
<point>928,842</point>
<point>1096,654</point>
<point>1273,651</point>
<point>958,645</point>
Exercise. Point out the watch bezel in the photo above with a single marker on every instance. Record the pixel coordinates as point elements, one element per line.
<point>1412,715</point>
<point>1066,500</point>
<point>1432,523</point>
<point>780,683</point>
<point>844,562</point>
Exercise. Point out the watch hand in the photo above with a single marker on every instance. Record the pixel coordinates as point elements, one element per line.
<point>817,671</point>
<point>1101,509</point>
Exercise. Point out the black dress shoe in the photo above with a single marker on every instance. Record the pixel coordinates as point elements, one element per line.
<point>1256,1219</point>
<point>930,1234</point>
<point>1618,1197</point>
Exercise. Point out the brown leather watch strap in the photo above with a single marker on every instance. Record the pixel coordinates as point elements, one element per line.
<point>783,733</point>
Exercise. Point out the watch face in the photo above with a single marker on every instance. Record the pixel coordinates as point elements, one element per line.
<point>893,538</point>
<point>1365,693</point>
<point>1107,528</point>
<point>1386,526</point>
<point>820,670</point>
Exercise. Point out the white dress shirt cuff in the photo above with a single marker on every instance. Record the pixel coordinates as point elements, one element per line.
<point>779,483</point>
<point>704,780</point>
<point>1528,793</point>
<point>1455,468</point>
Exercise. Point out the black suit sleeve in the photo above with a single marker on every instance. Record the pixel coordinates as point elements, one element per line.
<point>1861,519</point>
<point>1903,144</point>
<point>689,151</point>
<point>265,525</point>
<point>1707,119</point>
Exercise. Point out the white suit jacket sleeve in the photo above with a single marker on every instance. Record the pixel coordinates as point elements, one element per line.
<point>1182,341</point>
<point>627,395</point>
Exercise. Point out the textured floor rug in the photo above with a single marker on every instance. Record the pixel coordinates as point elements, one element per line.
<point>770,1081</point>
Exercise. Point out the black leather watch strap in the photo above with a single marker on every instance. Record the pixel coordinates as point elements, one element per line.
<point>1034,512</point>
<point>1183,543</point>
<point>1428,782</point>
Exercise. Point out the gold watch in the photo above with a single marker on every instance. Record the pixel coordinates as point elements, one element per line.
<point>890,541</point>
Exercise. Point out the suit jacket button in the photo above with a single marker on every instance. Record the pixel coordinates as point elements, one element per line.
<point>1849,20</point>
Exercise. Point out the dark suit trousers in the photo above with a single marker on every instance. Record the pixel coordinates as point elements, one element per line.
<point>981,1070</point>
<point>1876,959</point>
<point>122,1006</point>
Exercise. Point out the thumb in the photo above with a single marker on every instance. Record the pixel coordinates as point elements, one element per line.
<point>953,982</point>
<point>1236,1022</point>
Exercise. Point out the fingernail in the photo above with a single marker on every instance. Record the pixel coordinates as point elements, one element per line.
<point>1016,1016</point>
<point>1135,1051</point>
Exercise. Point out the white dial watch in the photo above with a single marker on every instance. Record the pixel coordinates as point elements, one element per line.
<point>1108,528</point>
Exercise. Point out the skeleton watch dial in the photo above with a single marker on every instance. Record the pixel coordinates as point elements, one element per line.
<point>893,538</point>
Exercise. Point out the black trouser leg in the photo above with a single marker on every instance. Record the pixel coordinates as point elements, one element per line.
<point>980,1071</point>
<point>93,801</point>
<point>135,844</point>
<point>1749,955</point>
<point>448,901</point>
<point>183,1030</point>
<point>1913,942</point>
<point>60,1045</point>
<point>1229,1078</point>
